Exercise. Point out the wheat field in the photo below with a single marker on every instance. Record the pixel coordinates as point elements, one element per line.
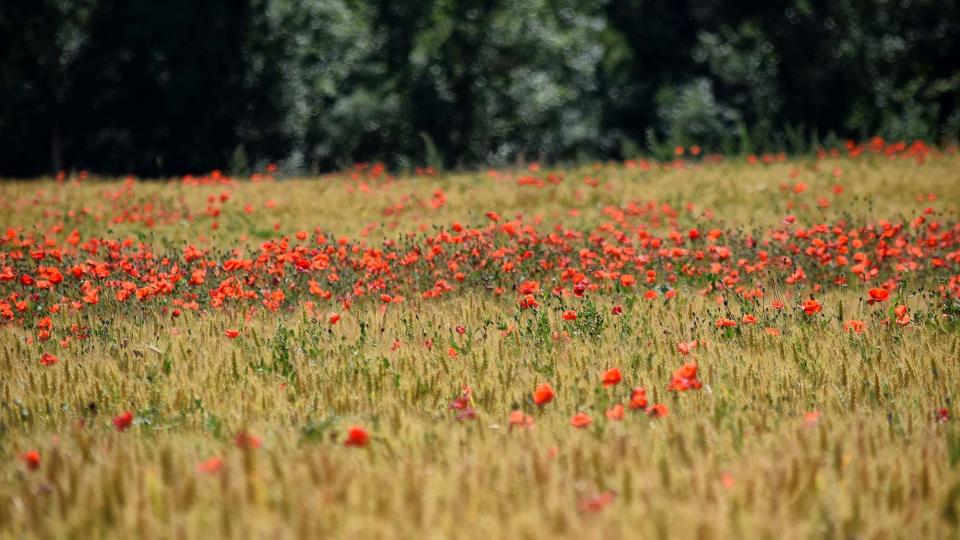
<point>707,348</point>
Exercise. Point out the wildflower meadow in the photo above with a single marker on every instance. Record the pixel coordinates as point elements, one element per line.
<point>702,347</point>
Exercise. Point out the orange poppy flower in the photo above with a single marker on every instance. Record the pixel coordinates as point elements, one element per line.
<point>727,480</point>
<point>615,412</point>
<point>855,326</point>
<point>520,419</point>
<point>685,378</point>
<point>687,347</point>
<point>543,394</point>
<point>247,440</point>
<point>597,503</point>
<point>580,420</point>
<point>612,377</point>
<point>210,465</point>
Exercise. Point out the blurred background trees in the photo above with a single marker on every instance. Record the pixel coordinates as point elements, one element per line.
<point>164,87</point>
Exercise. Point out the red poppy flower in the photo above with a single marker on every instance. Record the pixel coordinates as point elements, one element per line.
<point>462,402</point>
<point>529,287</point>
<point>657,411</point>
<point>597,503</point>
<point>578,290</point>
<point>357,437</point>
<point>210,466</point>
<point>855,326</point>
<point>528,301</point>
<point>617,310</point>
<point>247,440</point>
<point>812,307</point>
<point>686,348</point>
<point>903,318</point>
<point>725,323</point>
<point>520,419</point>
<point>48,359</point>
<point>685,378</point>
<point>231,333</point>
<point>543,394</point>
<point>569,315</point>
<point>878,295</point>
<point>612,377</point>
<point>580,420</point>
<point>31,459</point>
<point>123,420</point>
<point>727,480</point>
<point>638,398</point>
<point>333,318</point>
<point>615,412</point>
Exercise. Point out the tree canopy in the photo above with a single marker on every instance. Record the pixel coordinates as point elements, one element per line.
<point>165,87</point>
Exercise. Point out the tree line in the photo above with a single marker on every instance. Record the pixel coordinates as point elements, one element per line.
<point>165,87</point>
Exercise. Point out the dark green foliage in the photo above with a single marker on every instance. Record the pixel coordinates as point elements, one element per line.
<point>165,87</point>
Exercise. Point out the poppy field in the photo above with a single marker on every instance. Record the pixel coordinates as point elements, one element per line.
<point>708,347</point>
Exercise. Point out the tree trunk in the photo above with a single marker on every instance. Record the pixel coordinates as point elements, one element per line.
<point>56,150</point>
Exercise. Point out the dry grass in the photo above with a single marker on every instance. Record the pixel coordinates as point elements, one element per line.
<point>734,459</point>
